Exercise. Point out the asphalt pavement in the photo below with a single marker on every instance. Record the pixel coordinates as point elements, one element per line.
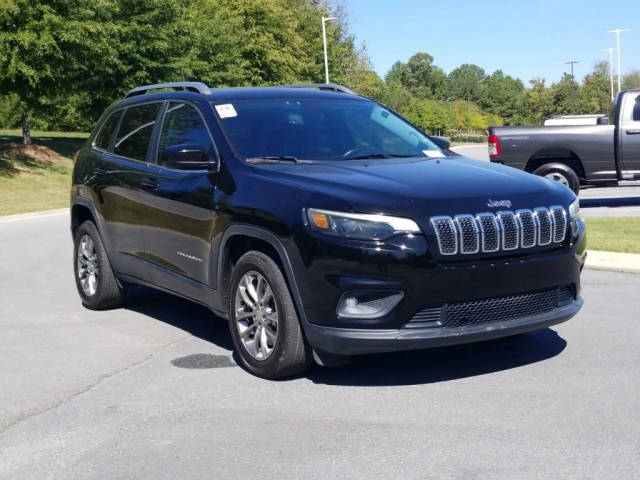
<point>151,391</point>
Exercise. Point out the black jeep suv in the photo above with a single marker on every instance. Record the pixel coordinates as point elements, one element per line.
<point>318,222</point>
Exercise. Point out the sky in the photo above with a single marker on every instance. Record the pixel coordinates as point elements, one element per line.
<point>525,39</point>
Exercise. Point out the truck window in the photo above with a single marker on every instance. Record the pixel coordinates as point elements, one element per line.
<point>636,110</point>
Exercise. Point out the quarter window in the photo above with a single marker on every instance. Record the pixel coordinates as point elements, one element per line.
<point>135,131</point>
<point>106,131</point>
<point>183,125</point>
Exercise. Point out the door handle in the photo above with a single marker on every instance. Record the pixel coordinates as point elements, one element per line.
<point>633,132</point>
<point>149,183</point>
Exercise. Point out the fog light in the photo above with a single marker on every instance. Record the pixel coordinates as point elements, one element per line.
<point>368,304</point>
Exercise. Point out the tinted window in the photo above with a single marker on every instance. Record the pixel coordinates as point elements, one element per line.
<point>183,125</point>
<point>320,129</point>
<point>106,131</point>
<point>135,131</point>
<point>636,110</point>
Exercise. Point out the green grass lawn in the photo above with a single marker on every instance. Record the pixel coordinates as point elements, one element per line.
<point>613,234</point>
<point>32,184</point>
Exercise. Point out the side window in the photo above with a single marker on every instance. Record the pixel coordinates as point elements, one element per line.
<point>135,130</point>
<point>106,131</point>
<point>183,125</point>
<point>636,110</point>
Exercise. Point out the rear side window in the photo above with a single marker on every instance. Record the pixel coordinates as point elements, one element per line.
<point>135,130</point>
<point>183,125</point>
<point>636,110</point>
<point>106,131</point>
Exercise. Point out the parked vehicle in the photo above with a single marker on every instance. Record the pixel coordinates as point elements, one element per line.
<point>319,223</point>
<point>576,155</point>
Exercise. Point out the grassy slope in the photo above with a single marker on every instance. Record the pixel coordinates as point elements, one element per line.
<point>615,234</point>
<point>37,186</point>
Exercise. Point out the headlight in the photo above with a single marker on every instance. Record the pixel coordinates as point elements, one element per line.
<point>574,209</point>
<point>358,225</point>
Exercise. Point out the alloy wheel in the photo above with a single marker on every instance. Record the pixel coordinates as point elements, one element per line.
<point>558,177</point>
<point>256,315</point>
<point>87,265</point>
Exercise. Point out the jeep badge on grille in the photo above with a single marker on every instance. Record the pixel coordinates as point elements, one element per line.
<point>499,203</point>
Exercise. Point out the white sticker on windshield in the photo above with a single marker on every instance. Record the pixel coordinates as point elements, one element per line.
<point>226,110</point>
<point>433,153</point>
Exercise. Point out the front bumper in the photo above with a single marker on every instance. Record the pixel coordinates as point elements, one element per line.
<point>354,341</point>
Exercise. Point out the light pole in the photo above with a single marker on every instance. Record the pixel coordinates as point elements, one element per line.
<point>324,44</point>
<point>610,50</point>
<point>618,31</point>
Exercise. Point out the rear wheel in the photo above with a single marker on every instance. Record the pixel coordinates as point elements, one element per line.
<point>97,285</point>
<point>263,320</point>
<point>560,173</point>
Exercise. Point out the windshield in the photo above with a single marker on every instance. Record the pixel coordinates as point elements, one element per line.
<point>320,129</point>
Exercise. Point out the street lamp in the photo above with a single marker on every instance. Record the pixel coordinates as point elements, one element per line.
<point>618,31</point>
<point>324,44</point>
<point>610,50</point>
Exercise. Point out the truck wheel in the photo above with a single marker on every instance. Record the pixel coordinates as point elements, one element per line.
<point>97,285</point>
<point>263,321</point>
<point>560,173</point>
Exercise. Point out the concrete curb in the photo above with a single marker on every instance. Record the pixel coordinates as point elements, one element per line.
<point>32,215</point>
<point>613,261</point>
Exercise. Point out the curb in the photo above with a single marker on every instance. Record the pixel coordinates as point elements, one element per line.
<point>613,261</point>
<point>31,215</point>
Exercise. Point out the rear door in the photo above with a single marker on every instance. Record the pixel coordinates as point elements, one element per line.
<point>630,135</point>
<point>179,226</point>
<point>124,169</point>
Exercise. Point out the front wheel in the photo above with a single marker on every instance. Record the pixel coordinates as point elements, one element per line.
<point>264,325</point>
<point>560,173</point>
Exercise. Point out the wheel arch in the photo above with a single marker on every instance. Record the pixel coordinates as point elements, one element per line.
<point>556,154</point>
<point>240,238</point>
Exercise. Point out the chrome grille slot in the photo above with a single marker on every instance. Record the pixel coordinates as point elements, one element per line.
<point>446,235</point>
<point>469,233</point>
<point>489,232</point>
<point>559,223</point>
<point>545,225</point>
<point>528,228</point>
<point>510,231</point>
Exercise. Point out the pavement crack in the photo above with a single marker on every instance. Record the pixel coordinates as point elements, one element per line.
<point>23,418</point>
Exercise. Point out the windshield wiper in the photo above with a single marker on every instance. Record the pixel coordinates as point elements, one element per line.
<point>378,155</point>
<point>273,159</point>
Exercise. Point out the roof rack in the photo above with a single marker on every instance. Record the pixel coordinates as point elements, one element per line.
<point>198,87</point>
<point>334,87</point>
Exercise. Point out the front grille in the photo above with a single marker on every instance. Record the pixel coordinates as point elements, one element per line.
<point>480,312</point>
<point>501,231</point>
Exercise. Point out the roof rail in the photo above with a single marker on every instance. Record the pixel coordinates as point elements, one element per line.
<point>334,87</point>
<point>198,87</point>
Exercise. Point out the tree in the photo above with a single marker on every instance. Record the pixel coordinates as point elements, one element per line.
<point>465,83</point>
<point>419,76</point>
<point>595,94</point>
<point>631,80</point>
<point>503,95</point>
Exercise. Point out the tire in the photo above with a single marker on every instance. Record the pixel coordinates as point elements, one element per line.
<point>266,333</point>
<point>561,173</point>
<point>90,260</point>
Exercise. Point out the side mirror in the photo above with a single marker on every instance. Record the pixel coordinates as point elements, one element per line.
<point>441,142</point>
<point>603,120</point>
<point>187,157</point>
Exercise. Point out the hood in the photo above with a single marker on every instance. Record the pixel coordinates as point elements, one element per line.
<point>421,187</point>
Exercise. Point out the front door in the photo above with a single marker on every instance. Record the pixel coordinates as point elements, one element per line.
<point>630,136</point>
<point>180,207</point>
